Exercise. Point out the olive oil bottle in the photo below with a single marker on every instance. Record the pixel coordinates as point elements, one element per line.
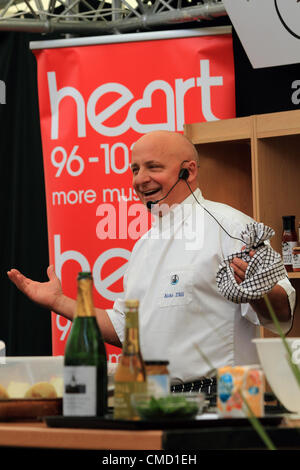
<point>130,376</point>
<point>85,362</point>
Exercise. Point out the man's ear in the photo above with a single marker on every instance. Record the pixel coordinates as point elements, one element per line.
<point>192,168</point>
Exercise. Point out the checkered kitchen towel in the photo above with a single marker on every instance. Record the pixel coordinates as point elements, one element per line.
<point>264,270</point>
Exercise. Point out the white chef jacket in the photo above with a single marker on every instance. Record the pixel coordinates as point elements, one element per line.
<point>183,317</point>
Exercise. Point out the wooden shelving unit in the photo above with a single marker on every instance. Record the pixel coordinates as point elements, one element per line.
<point>252,164</point>
<point>294,275</point>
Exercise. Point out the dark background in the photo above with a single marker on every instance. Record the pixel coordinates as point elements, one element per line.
<point>25,327</point>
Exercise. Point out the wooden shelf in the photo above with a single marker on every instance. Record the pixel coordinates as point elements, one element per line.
<point>278,124</point>
<point>222,131</point>
<point>295,275</point>
<point>252,164</point>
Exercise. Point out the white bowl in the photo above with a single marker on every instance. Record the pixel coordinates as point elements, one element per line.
<point>273,358</point>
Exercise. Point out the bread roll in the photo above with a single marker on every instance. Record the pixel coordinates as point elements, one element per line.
<point>41,390</point>
<point>3,393</point>
<point>17,389</point>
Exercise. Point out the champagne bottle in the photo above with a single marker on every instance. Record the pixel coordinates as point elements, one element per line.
<point>85,362</point>
<point>130,376</point>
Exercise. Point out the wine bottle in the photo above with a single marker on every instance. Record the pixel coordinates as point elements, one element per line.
<point>130,376</point>
<point>85,362</point>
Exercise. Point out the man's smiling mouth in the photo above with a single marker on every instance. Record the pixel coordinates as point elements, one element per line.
<point>150,192</point>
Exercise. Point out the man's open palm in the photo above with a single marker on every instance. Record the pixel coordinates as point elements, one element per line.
<point>45,294</point>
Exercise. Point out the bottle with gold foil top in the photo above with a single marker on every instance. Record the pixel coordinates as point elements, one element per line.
<point>130,376</point>
<point>85,362</point>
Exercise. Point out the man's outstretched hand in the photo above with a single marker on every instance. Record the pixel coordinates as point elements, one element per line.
<point>50,295</point>
<point>47,294</point>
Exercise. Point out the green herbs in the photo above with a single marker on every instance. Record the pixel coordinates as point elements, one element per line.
<point>169,407</point>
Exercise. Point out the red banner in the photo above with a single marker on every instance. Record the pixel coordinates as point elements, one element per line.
<point>95,102</point>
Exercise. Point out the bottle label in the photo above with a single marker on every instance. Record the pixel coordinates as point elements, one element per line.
<point>287,252</point>
<point>296,261</point>
<point>80,391</point>
<point>158,384</point>
<point>123,406</point>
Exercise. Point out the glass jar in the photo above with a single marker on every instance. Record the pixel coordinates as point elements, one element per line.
<point>289,241</point>
<point>296,258</point>
<point>158,380</point>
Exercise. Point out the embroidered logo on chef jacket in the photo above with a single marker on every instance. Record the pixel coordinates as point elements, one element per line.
<point>176,287</point>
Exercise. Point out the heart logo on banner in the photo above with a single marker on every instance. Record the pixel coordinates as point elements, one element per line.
<point>102,284</point>
<point>146,102</point>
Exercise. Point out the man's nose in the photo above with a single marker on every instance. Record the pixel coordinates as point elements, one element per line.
<point>142,177</point>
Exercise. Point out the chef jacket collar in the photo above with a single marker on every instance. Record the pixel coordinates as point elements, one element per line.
<point>177,213</point>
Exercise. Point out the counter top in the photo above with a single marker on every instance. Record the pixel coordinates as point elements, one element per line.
<point>39,435</point>
<point>36,434</point>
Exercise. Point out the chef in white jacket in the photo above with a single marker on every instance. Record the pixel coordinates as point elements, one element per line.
<point>172,271</point>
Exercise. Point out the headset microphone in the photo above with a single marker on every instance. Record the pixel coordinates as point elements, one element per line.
<point>149,204</point>
<point>183,175</point>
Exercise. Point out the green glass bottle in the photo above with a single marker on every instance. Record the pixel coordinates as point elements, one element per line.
<point>85,362</point>
<point>130,376</point>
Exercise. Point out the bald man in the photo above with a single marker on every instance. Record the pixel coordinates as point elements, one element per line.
<point>156,160</point>
<point>183,317</point>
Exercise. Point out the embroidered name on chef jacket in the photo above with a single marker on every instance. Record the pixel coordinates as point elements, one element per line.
<point>176,287</point>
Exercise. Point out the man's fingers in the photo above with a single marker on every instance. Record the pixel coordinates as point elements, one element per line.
<point>239,267</point>
<point>12,271</point>
<point>240,264</point>
<point>13,274</point>
<point>251,252</point>
<point>17,278</point>
<point>238,279</point>
<point>238,274</point>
